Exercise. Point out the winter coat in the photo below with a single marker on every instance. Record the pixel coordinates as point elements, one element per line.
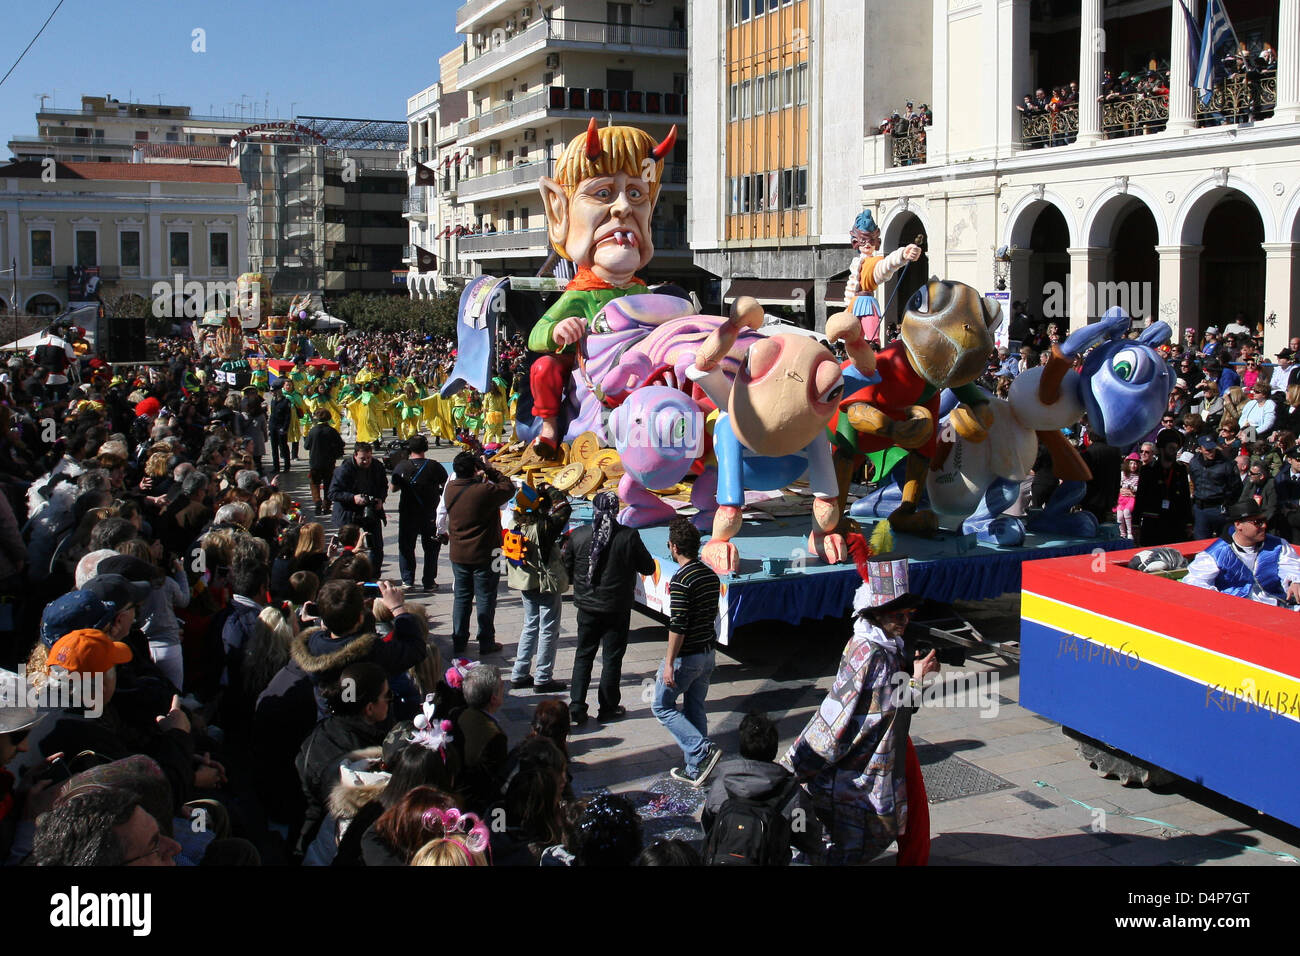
<point>625,557</point>
<point>285,714</point>
<point>474,518</point>
<point>324,446</point>
<point>323,657</point>
<point>318,762</point>
<point>542,549</point>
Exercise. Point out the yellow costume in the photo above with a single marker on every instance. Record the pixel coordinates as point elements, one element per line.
<point>365,412</point>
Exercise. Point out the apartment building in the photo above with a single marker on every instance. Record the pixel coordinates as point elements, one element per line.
<point>781,93</point>
<point>532,75</point>
<point>106,130</point>
<point>130,225</point>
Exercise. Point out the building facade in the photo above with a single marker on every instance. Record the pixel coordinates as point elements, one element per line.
<point>531,75</point>
<point>132,226</point>
<point>1153,200</point>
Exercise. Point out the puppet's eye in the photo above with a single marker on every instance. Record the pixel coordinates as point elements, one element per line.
<point>920,301</point>
<point>1127,364</point>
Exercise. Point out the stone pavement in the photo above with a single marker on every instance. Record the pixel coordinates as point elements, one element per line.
<point>1032,799</point>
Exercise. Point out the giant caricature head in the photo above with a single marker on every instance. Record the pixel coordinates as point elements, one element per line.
<point>599,204</point>
<point>1127,383</point>
<point>787,390</point>
<point>948,331</point>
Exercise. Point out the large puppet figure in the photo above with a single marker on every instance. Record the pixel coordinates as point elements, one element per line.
<point>598,211</point>
<point>869,271</point>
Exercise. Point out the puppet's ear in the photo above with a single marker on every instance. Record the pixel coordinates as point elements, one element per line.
<point>556,203</point>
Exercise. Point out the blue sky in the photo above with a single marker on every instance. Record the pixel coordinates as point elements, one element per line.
<point>324,58</point>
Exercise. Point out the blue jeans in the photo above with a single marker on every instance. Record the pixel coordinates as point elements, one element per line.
<point>1206,522</point>
<point>476,584</point>
<point>541,633</point>
<point>689,725</point>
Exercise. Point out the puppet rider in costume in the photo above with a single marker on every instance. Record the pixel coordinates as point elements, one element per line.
<point>869,271</point>
<point>598,211</point>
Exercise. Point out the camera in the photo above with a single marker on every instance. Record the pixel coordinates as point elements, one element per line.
<point>372,509</point>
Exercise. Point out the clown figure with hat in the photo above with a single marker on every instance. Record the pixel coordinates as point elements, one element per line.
<point>870,271</point>
<point>854,757</point>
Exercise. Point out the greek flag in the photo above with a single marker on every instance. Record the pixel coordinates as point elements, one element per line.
<point>1216,32</point>
<point>1193,44</point>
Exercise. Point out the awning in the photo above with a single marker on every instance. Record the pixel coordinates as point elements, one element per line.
<point>771,291</point>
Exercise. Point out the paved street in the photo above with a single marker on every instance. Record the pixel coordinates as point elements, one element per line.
<point>1032,799</point>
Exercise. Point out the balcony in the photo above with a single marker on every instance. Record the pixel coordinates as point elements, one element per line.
<point>544,36</point>
<point>414,206</point>
<point>908,149</point>
<point>523,176</point>
<point>573,101</point>
<point>487,245</point>
<point>408,253</point>
<point>470,12</point>
<point>1239,99</point>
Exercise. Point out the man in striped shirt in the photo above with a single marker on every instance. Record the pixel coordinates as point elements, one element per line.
<point>688,663</point>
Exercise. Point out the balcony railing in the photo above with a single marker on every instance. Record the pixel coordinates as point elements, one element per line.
<point>1239,99</point>
<point>523,240</point>
<point>544,32</point>
<point>466,13</point>
<point>408,253</point>
<point>524,173</point>
<point>579,100</point>
<point>414,205</point>
<point>908,148</point>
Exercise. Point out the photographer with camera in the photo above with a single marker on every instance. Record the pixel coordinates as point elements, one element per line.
<point>471,507</point>
<point>359,488</point>
<point>420,483</point>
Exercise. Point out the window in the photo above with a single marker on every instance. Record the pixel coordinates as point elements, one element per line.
<point>141,136</point>
<point>744,193</point>
<point>746,99</point>
<point>734,188</point>
<point>759,98</point>
<point>787,186</point>
<point>219,250</point>
<point>773,91</point>
<point>87,247</point>
<point>129,250</point>
<point>42,249</point>
<point>618,16</point>
<point>760,193</point>
<point>179,245</point>
<point>801,84</point>
<point>787,86</point>
<point>801,187</point>
<point>618,80</point>
<point>735,101</point>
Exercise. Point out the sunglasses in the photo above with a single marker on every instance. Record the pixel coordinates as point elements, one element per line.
<point>1257,522</point>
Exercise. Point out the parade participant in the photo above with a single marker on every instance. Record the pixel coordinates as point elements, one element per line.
<point>688,661</point>
<point>294,384</point>
<point>320,398</point>
<point>1247,561</point>
<point>1128,483</point>
<point>359,488</point>
<point>598,212</point>
<point>324,449</point>
<point>603,560</point>
<point>420,483</point>
<point>870,271</point>
<point>854,755</point>
<point>366,410</point>
<point>409,405</point>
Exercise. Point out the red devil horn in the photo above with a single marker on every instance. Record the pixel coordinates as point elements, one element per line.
<point>593,140</point>
<point>660,151</point>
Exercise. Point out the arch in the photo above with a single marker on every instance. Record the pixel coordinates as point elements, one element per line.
<point>1289,227</point>
<point>1023,215</point>
<point>892,225</point>
<point>1106,210</point>
<point>1189,224</point>
<point>43,303</point>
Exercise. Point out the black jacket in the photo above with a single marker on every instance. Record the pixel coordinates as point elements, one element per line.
<point>624,558</point>
<point>351,480</point>
<point>324,446</point>
<point>281,414</point>
<point>285,715</point>
<point>318,762</point>
<point>420,481</point>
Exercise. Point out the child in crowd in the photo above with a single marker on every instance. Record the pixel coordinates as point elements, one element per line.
<point>1128,483</point>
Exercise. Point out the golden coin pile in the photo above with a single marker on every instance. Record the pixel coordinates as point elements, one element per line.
<point>582,468</point>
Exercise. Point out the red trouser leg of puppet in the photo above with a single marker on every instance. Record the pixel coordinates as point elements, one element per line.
<point>914,845</point>
<point>547,378</point>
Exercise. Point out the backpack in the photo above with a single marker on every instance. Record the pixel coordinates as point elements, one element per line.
<point>751,832</point>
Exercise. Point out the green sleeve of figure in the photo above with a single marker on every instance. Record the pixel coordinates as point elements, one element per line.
<point>577,303</point>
